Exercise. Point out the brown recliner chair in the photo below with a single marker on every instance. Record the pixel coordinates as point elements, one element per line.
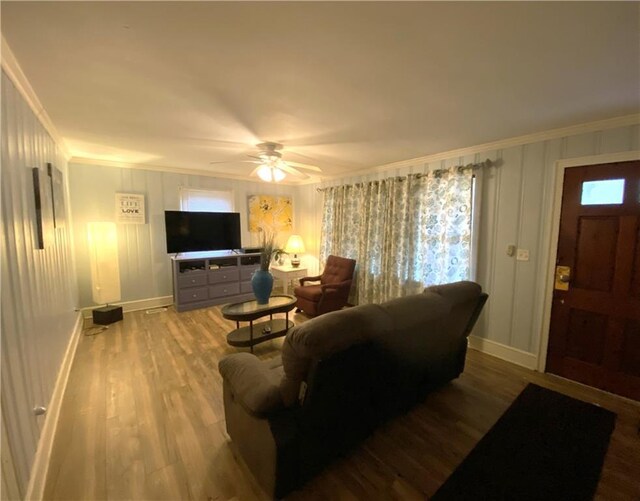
<point>333,291</point>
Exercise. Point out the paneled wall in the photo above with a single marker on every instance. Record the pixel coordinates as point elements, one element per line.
<point>38,291</point>
<point>144,263</point>
<point>515,209</point>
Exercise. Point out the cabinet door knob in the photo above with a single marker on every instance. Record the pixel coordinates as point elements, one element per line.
<point>195,295</point>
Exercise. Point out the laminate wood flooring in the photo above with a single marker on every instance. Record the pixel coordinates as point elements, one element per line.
<point>143,418</point>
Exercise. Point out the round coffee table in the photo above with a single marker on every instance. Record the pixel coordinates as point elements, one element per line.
<point>248,311</point>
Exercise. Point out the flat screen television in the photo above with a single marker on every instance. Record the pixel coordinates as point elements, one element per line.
<point>201,231</point>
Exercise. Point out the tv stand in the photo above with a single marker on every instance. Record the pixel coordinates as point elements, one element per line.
<point>202,279</point>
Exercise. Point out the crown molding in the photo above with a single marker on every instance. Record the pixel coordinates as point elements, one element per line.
<point>572,130</point>
<point>13,70</point>
<point>610,123</point>
<point>179,170</point>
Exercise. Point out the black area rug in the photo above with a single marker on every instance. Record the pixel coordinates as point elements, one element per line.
<point>547,446</point>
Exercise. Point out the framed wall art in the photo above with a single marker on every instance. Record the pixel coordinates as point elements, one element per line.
<point>270,213</point>
<point>130,208</point>
<point>43,209</point>
<point>57,196</point>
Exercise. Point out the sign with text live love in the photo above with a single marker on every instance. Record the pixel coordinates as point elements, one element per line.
<point>130,208</point>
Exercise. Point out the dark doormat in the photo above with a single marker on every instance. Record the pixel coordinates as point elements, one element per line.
<point>547,446</point>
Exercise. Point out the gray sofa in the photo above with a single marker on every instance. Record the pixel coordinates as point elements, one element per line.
<point>340,376</point>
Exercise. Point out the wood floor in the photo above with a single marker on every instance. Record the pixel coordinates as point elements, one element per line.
<point>143,418</point>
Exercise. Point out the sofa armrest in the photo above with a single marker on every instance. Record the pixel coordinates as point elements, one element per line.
<point>252,383</point>
<point>310,279</point>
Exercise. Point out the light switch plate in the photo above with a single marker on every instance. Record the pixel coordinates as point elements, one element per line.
<point>522,255</point>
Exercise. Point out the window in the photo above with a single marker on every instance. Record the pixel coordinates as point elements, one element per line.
<point>206,200</point>
<point>607,192</point>
<point>404,232</point>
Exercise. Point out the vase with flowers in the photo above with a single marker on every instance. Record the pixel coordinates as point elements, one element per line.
<point>262,280</point>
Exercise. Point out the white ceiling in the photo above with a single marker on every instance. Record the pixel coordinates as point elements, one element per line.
<point>344,86</point>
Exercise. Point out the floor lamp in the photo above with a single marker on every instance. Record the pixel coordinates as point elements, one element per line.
<point>105,272</point>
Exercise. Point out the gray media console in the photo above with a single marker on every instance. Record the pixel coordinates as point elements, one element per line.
<point>199,282</point>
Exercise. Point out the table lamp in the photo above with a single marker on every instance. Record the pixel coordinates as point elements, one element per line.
<point>294,246</point>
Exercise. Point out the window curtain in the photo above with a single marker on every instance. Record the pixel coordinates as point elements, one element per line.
<point>405,232</point>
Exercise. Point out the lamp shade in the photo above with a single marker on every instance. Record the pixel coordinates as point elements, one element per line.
<point>270,173</point>
<point>295,245</point>
<point>103,260</point>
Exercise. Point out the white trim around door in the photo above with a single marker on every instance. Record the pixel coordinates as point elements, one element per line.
<point>561,165</point>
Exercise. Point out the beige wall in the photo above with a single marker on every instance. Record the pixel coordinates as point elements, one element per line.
<point>38,292</point>
<point>144,263</point>
<point>516,209</point>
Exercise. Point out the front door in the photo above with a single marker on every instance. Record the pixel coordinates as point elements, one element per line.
<point>594,336</point>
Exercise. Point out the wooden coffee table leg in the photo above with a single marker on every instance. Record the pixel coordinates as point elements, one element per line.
<point>251,335</point>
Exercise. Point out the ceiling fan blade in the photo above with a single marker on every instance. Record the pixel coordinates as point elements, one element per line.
<point>291,170</point>
<point>233,144</point>
<point>235,162</point>
<point>304,166</point>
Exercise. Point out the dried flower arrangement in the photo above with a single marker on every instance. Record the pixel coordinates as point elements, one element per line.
<point>269,250</point>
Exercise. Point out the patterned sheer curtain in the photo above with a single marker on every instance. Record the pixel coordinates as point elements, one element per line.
<point>405,233</point>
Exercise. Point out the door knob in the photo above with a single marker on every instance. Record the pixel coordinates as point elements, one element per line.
<point>563,277</point>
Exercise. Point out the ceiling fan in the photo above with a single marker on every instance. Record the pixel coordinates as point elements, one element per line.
<point>271,167</point>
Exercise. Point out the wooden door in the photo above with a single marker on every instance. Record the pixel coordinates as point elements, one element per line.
<point>594,336</point>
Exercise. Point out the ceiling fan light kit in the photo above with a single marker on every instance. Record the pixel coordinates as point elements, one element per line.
<point>269,173</point>
<point>271,167</point>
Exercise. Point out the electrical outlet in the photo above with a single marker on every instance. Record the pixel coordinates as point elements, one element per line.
<point>522,255</point>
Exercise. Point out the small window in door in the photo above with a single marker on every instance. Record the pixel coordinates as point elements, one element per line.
<point>605,192</point>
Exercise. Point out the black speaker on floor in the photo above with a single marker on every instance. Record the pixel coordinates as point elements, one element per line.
<point>107,315</point>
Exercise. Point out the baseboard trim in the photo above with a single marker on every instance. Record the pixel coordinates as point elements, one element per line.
<point>140,304</point>
<point>40,468</point>
<point>513,355</point>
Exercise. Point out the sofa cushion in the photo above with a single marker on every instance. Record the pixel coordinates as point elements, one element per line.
<point>464,299</point>
<point>418,335</point>
<point>321,337</point>
<point>309,292</point>
<point>415,345</point>
<point>457,292</point>
<point>415,324</point>
<point>274,363</point>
